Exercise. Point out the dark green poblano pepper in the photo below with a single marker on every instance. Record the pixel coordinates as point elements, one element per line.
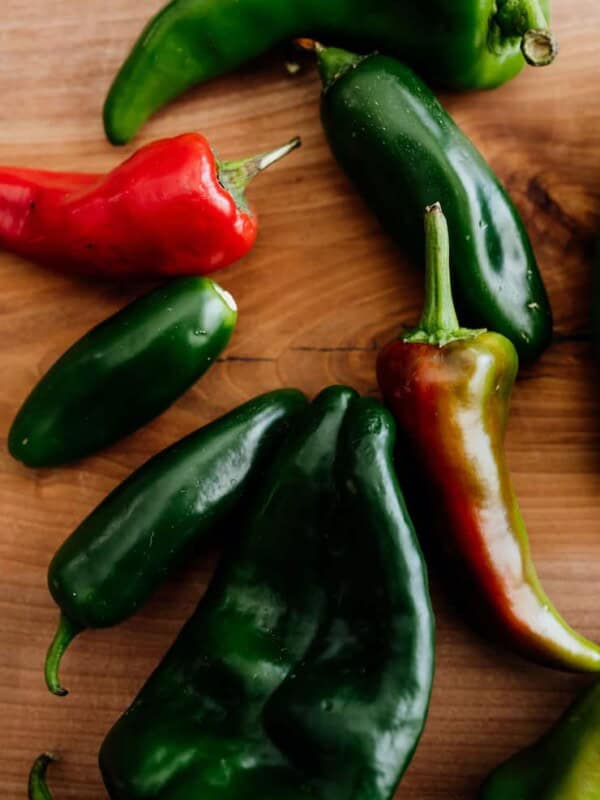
<point>306,670</point>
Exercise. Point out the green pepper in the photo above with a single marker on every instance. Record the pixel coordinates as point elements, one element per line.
<point>366,679</point>
<point>195,729</point>
<point>563,765</point>
<point>124,372</point>
<point>106,570</point>
<point>464,44</point>
<point>293,680</point>
<point>404,152</point>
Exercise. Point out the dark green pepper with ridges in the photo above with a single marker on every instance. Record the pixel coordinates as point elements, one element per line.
<point>367,676</point>
<point>195,729</point>
<point>107,569</point>
<point>404,152</point>
<point>293,680</point>
<point>563,765</point>
<point>464,44</point>
<point>124,372</point>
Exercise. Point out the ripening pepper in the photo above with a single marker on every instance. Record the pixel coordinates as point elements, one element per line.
<point>109,566</point>
<point>393,138</point>
<point>290,680</point>
<point>170,209</point>
<point>124,372</point>
<point>464,44</point>
<point>563,765</point>
<point>449,389</point>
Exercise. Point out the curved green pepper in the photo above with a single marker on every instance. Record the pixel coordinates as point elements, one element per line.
<point>404,152</point>
<point>464,44</point>
<point>563,765</point>
<point>368,674</point>
<point>106,570</point>
<point>124,372</point>
<point>195,729</point>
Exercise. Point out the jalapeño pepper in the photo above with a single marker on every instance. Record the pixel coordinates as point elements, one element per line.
<point>106,570</point>
<point>464,44</point>
<point>449,389</point>
<point>404,152</point>
<point>124,372</point>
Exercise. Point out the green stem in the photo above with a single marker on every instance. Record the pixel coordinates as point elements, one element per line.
<point>526,19</point>
<point>235,176</point>
<point>38,790</point>
<point>65,634</point>
<point>333,62</point>
<point>439,323</point>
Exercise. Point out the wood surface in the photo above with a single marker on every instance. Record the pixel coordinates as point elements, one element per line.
<point>323,289</point>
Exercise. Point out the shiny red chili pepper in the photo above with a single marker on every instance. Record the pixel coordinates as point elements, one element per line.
<point>171,209</point>
<point>449,389</point>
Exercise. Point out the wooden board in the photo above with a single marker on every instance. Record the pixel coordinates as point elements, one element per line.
<point>323,289</point>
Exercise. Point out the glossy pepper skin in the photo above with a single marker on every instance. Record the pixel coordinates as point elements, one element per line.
<point>110,565</point>
<point>367,676</point>
<point>563,765</point>
<point>403,152</point>
<point>449,389</point>
<point>466,44</point>
<point>123,373</point>
<point>195,729</point>
<point>170,209</point>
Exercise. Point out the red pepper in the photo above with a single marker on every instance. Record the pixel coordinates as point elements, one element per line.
<point>171,209</point>
<point>449,389</point>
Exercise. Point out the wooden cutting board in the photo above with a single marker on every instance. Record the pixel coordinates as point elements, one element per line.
<point>321,292</point>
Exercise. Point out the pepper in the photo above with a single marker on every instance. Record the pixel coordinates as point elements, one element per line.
<point>366,679</point>
<point>466,44</point>
<point>449,389</point>
<point>124,372</point>
<point>195,729</point>
<point>394,139</point>
<point>108,568</point>
<point>596,304</point>
<point>290,680</point>
<point>563,765</point>
<point>171,209</point>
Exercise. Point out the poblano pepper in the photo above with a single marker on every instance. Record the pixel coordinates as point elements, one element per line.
<point>449,389</point>
<point>404,152</point>
<point>291,681</point>
<point>124,372</point>
<point>464,44</point>
<point>106,570</point>
<point>563,765</point>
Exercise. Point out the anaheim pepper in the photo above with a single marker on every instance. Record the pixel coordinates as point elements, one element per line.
<point>464,44</point>
<point>449,389</point>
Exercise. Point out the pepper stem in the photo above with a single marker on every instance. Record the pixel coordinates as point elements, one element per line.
<point>38,789</point>
<point>526,19</point>
<point>333,62</point>
<point>235,176</point>
<point>65,634</point>
<point>439,322</point>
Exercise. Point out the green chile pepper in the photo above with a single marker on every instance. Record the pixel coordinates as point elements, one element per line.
<point>367,676</point>
<point>563,765</point>
<point>195,729</point>
<point>107,569</point>
<point>465,44</point>
<point>404,152</point>
<point>291,680</point>
<point>123,373</point>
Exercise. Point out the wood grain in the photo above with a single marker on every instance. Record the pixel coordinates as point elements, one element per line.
<point>319,294</point>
